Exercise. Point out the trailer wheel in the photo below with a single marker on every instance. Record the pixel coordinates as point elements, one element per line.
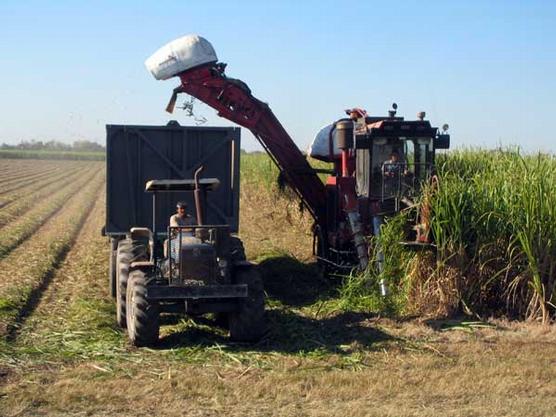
<point>112,275</point>
<point>128,251</point>
<point>143,325</point>
<point>248,324</point>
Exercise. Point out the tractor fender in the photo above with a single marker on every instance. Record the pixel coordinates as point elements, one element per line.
<point>243,264</point>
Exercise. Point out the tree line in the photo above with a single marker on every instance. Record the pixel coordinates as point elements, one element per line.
<point>54,145</point>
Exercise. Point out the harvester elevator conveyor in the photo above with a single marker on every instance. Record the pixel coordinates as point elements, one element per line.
<point>232,99</point>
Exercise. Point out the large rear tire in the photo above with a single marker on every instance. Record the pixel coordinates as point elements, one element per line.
<point>237,255</point>
<point>143,324</point>
<point>248,324</point>
<point>128,251</point>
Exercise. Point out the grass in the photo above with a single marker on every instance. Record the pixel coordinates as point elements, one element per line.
<point>493,223</point>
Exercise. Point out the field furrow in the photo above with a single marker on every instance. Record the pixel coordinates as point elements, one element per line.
<point>17,180</point>
<point>15,187</point>
<point>24,173</point>
<point>10,167</point>
<point>20,229</point>
<point>22,202</point>
<point>9,172</point>
<point>27,270</point>
<point>72,310</point>
<point>39,185</point>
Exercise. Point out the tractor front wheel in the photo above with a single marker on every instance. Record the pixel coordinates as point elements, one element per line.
<point>128,251</point>
<point>248,323</point>
<point>143,323</point>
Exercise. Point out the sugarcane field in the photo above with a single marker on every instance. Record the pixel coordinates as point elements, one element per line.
<point>281,209</point>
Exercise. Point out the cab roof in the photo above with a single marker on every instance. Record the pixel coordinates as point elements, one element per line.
<point>209,184</point>
<point>406,128</point>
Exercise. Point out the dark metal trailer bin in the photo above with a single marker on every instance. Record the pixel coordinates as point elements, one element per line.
<point>137,154</point>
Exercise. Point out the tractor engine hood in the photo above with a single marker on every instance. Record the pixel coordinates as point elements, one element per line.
<point>180,55</point>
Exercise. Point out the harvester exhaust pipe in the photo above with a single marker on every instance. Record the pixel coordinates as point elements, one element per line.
<point>199,197</point>
<point>344,129</point>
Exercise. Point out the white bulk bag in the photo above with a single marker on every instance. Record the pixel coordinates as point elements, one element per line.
<point>320,148</point>
<point>182,54</point>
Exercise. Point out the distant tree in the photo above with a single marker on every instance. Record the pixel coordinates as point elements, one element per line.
<point>54,145</point>
<point>88,146</point>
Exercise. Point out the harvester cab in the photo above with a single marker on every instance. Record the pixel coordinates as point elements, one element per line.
<point>393,158</point>
<point>379,166</point>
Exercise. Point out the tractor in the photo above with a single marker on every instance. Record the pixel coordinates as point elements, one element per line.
<point>159,269</point>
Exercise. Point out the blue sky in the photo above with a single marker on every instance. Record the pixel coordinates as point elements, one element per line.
<point>488,68</point>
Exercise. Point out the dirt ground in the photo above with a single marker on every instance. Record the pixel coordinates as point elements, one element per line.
<point>406,370</point>
<point>66,356</point>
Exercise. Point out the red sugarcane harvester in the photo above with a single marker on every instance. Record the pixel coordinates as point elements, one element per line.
<point>379,163</point>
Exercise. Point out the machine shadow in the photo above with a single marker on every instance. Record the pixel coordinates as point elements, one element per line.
<point>295,283</point>
<point>290,333</point>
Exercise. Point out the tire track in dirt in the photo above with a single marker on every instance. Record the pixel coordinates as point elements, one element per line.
<point>20,229</point>
<point>31,266</point>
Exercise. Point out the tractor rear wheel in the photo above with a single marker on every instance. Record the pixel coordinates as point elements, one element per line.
<point>143,325</point>
<point>128,251</point>
<point>248,324</point>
